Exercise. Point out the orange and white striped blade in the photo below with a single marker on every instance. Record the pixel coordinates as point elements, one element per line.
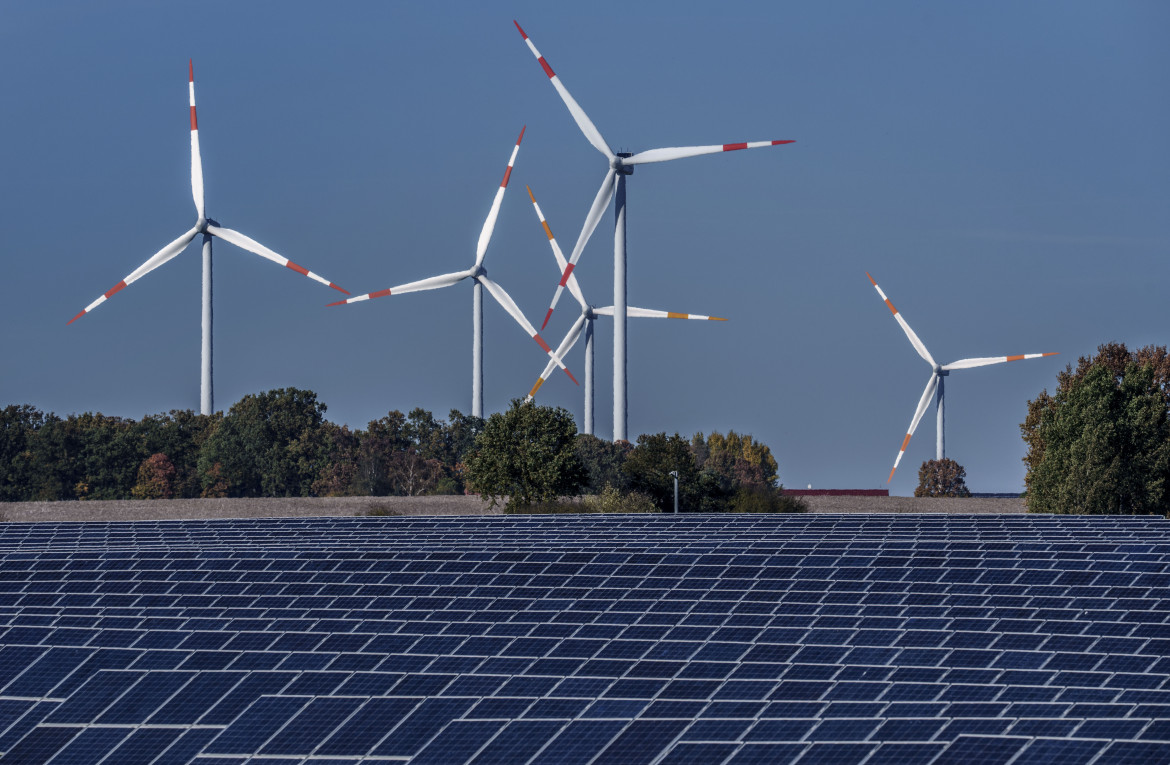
<point>156,260</point>
<point>562,263</point>
<point>592,134</point>
<point>562,350</point>
<point>923,405</point>
<point>989,360</point>
<point>489,225</point>
<point>430,283</point>
<point>196,159</point>
<point>680,152</point>
<point>918,345</point>
<point>505,300</point>
<point>251,245</point>
<point>600,203</point>
<point>650,313</point>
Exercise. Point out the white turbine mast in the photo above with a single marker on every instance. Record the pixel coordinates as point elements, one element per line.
<point>614,185</point>
<point>478,274</point>
<point>934,386</point>
<point>584,322</point>
<point>208,228</point>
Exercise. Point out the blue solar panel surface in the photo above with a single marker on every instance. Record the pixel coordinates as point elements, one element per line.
<point>588,639</point>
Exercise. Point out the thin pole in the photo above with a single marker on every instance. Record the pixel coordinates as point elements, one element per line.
<point>588,375</point>
<point>477,350</point>
<point>206,393</point>
<point>940,451</point>
<point>619,312</point>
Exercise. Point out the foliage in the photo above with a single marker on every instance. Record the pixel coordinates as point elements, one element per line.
<point>527,455</point>
<point>156,478</point>
<point>942,478</point>
<point>765,499</point>
<point>613,500</point>
<point>603,462</point>
<point>648,469</point>
<point>1101,443</point>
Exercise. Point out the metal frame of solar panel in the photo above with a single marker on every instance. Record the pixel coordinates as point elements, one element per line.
<point>588,639</point>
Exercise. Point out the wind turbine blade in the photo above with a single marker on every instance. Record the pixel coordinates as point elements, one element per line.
<point>650,313</point>
<point>923,404</point>
<point>430,283</point>
<point>592,134</point>
<point>988,360</point>
<point>562,264</point>
<point>489,225</point>
<point>505,300</point>
<point>562,350</point>
<point>251,245</point>
<point>196,159</point>
<point>600,202</point>
<point>680,152</point>
<point>918,345</point>
<point>156,260</point>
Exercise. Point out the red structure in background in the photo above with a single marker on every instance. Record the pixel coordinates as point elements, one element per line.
<point>837,492</point>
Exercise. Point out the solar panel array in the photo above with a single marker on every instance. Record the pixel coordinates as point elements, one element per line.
<point>588,639</point>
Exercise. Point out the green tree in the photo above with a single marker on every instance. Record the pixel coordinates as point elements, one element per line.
<point>180,435</point>
<point>1101,444</point>
<point>527,455</point>
<point>648,468</point>
<point>603,461</point>
<point>942,478</point>
<point>262,447</point>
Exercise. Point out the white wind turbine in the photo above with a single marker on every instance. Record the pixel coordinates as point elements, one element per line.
<point>935,383</point>
<point>614,184</point>
<point>585,321</point>
<point>208,228</point>
<point>478,274</point>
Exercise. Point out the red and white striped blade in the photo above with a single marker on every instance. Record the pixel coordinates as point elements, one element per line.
<point>989,360</point>
<point>923,405</point>
<point>562,263</point>
<point>196,158</point>
<point>251,245</point>
<point>562,350</point>
<point>430,283</point>
<point>592,134</point>
<point>156,260</point>
<point>600,203</point>
<point>650,313</point>
<point>680,152</point>
<point>505,300</point>
<point>489,225</point>
<point>918,344</point>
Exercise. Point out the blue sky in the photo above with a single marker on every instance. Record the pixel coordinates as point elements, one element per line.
<point>1000,167</point>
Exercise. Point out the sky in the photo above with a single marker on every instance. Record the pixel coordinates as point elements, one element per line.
<point>1001,168</point>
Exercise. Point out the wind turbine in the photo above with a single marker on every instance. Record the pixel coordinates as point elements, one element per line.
<point>614,184</point>
<point>208,228</point>
<point>478,274</point>
<point>585,321</point>
<point>935,383</point>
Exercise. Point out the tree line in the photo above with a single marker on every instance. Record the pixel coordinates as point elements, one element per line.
<point>279,444</point>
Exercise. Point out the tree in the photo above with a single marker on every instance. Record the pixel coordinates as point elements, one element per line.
<point>262,447</point>
<point>1103,441</point>
<point>942,478</point>
<point>156,478</point>
<point>527,455</point>
<point>648,468</point>
<point>603,461</point>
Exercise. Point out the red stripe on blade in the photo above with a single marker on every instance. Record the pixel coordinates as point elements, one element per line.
<point>299,269</point>
<point>777,143</point>
<point>547,316</point>
<point>565,276</point>
<point>734,146</point>
<point>540,341</point>
<point>547,69</point>
<point>339,289</point>
<point>194,122</point>
<point>521,138</point>
<point>517,23</point>
<point>191,69</point>
<point>381,293</point>
<point>75,318</point>
<point>570,374</point>
<point>507,175</point>
<point>339,302</point>
<point>116,289</point>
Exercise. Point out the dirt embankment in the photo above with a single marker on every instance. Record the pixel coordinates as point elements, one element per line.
<point>180,509</point>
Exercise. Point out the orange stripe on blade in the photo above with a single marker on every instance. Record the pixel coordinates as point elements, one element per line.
<point>891,307</point>
<point>891,474</point>
<point>547,230</point>
<point>673,315</point>
<point>905,442</point>
<point>1015,358</point>
<point>535,388</point>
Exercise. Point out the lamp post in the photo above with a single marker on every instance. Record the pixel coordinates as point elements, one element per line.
<point>674,474</point>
